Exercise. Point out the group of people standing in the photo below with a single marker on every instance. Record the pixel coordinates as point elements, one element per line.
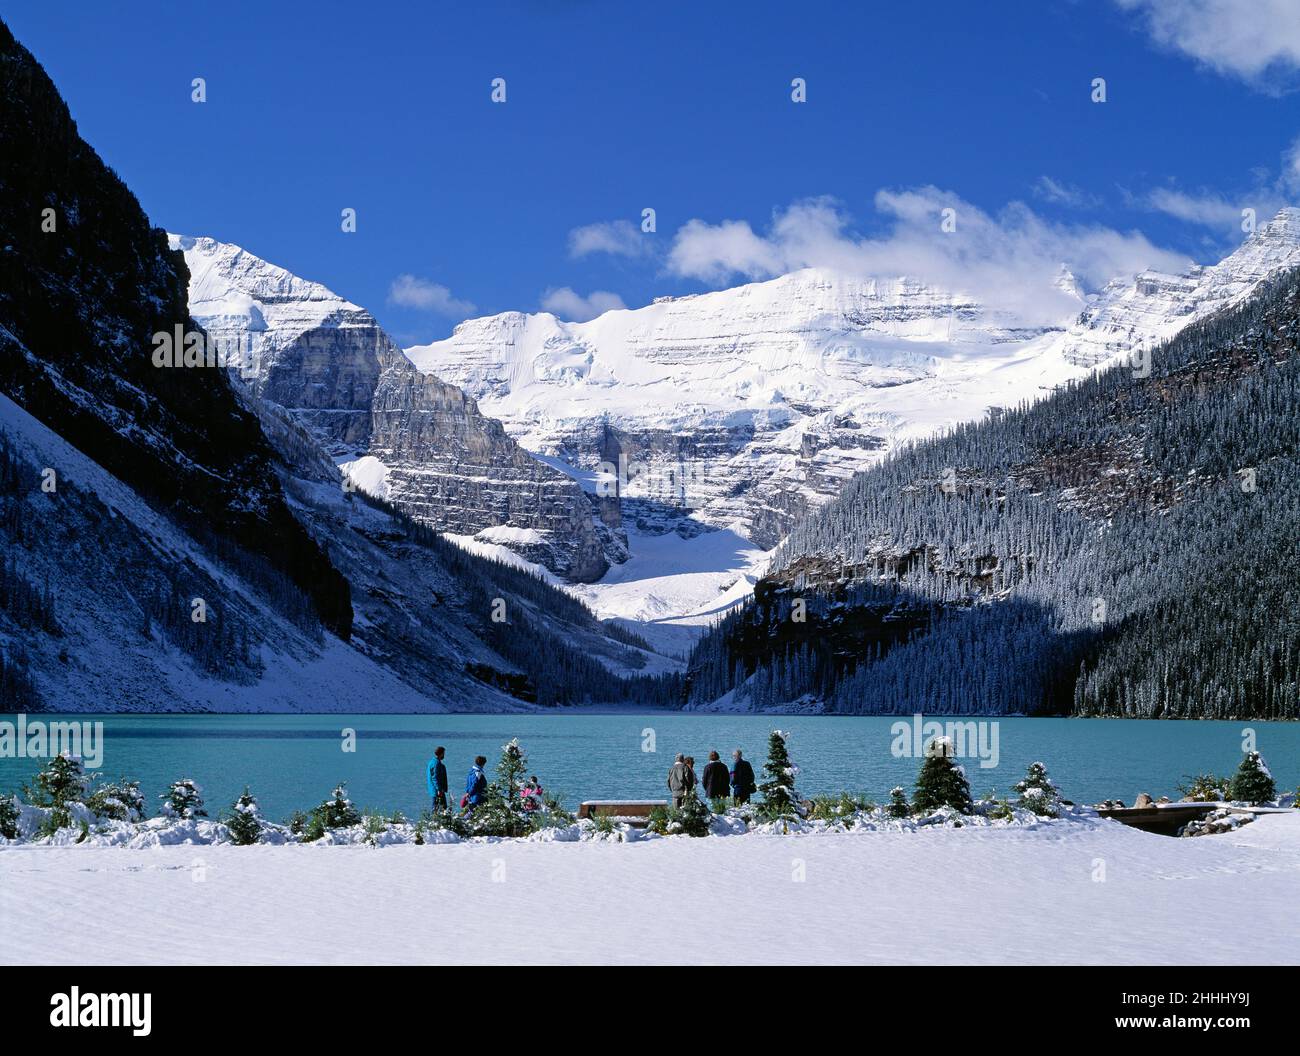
<point>716,782</point>
<point>476,784</point>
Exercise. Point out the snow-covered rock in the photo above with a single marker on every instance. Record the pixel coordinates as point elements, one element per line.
<point>399,433</point>
<point>1139,313</point>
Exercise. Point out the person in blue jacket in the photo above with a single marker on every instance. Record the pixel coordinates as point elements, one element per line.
<point>436,775</point>
<point>475,783</point>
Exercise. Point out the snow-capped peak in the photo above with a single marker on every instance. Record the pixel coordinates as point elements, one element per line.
<point>1154,306</point>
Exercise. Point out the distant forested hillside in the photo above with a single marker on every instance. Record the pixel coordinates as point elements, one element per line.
<point>1129,546</point>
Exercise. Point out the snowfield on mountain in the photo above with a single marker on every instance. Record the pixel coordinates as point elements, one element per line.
<point>1089,892</point>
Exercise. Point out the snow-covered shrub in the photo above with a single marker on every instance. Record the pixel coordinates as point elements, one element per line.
<point>779,798</point>
<point>183,800</point>
<point>119,800</point>
<point>1252,783</point>
<point>337,812</point>
<point>1205,788</point>
<point>1038,793</point>
<point>9,817</point>
<point>244,823</point>
<point>898,807</point>
<point>941,782</point>
<point>840,808</point>
<point>692,818</point>
<point>995,809</point>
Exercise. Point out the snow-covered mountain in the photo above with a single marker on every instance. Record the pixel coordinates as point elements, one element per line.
<point>171,540</point>
<point>745,408</point>
<point>402,434</point>
<point>1131,314</point>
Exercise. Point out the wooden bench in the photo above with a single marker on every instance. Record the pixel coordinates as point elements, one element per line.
<point>634,812</point>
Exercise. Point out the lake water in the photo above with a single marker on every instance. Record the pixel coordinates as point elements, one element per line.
<point>292,761</point>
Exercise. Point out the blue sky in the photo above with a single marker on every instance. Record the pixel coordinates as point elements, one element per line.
<point>685,108</point>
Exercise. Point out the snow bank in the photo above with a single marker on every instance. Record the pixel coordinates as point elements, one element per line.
<point>1061,892</point>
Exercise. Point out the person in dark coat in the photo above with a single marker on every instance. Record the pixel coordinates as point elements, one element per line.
<point>716,780</point>
<point>742,779</point>
<point>436,775</point>
<point>475,784</point>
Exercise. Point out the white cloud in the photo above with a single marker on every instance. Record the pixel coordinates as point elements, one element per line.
<point>1061,193</point>
<point>567,304</point>
<point>1256,41</point>
<point>409,291</point>
<point>1008,261</point>
<point>619,237</point>
<point>1208,210</point>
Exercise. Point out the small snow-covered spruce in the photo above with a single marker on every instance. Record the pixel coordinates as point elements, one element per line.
<point>779,799</point>
<point>502,811</point>
<point>692,818</point>
<point>1252,783</point>
<point>8,817</point>
<point>119,800</point>
<point>337,812</point>
<point>244,823</point>
<point>898,807</point>
<point>62,781</point>
<point>941,782</point>
<point>1037,792</point>
<point>183,800</point>
<point>511,769</point>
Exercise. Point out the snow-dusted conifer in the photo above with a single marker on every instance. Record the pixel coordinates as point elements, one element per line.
<point>1252,783</point>
<point>898,804</point>
<point>1038,793</point>
<point>183,800</point>
<point>941,782</point>
<point>245,822</point>
<point>779,798</point>
<point>62,781</point>
<point>337,812</point>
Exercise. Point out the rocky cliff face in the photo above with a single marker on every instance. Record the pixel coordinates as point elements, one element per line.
<point>85,284</point>
<point>746,407</point>
<point>403,434</point>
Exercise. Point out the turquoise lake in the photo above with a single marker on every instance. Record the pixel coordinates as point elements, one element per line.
<point>292,761</point>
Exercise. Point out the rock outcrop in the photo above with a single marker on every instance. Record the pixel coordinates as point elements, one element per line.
<point>403,434</point>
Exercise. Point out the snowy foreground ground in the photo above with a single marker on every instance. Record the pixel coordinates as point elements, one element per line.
<point>971,895</point>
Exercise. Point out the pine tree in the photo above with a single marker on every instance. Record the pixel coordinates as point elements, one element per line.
<point>245,823</point>
<point>898,805</point>
<point>183,800</point>
<point>941,782</point>
<point>337,812</point>
<point>779,799</point>
<point>9,817</point>
<point>511,769</point>
<point>1252,783</point>
<point>1038,793</point>
<point>62,781</point>
<point>119,800</point>
<point>501,813</point>
<point>694,817</point>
